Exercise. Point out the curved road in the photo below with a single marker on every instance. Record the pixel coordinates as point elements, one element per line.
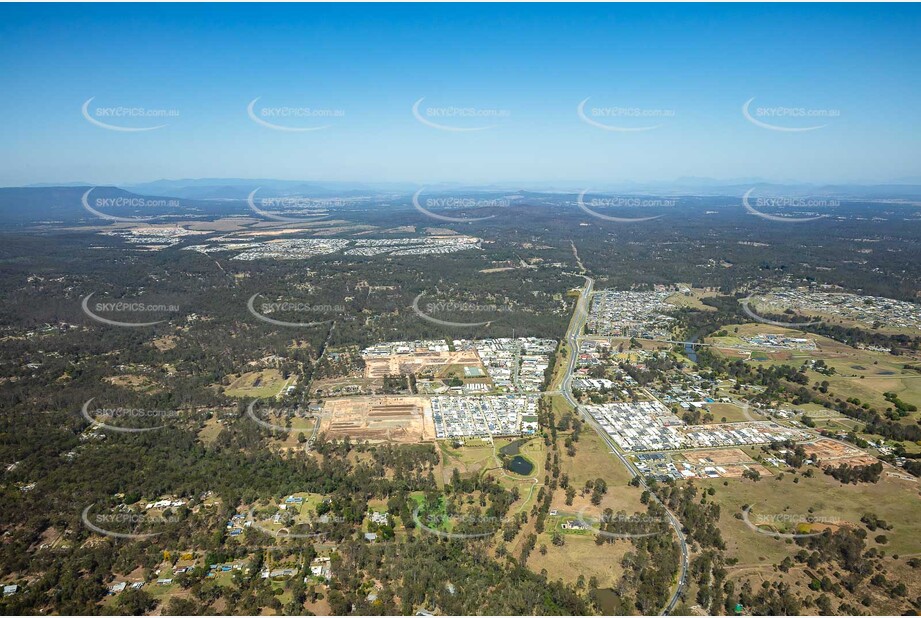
<point>580,316</point>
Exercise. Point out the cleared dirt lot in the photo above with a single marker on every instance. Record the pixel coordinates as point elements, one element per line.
<point>730,462</point>
<point>829,451</point>
<point>397,419</point>
<point>378,367</point>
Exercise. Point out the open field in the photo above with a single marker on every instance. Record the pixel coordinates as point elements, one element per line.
<point>165,343</point>
<point>838,423</point>
<point>579,555</point>
<point>559,368</point>
<point>895,500</point>
<point>729,411</point>
<point>864,374</point>
<point>644,344</point>
<point>230,224</point>
<point>470,459</point>
<point>692,300</point>
<point>261,384</point>
<point>559,405</point>
<point>290,441</point>
<point>594,460</point>
<point>212,428</point>
<point>400,419</point>
<point>134,382</point>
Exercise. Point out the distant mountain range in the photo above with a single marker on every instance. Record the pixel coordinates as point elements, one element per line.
<point>240,188</point>
<point>209,197</point>
<point>73,205</point>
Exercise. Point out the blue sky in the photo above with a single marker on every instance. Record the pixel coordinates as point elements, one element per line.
<point>522,69</point>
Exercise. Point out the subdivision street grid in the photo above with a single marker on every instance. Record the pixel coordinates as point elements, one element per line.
<point>484,417</point>
<point>516,368</point>
<point>650,426</point>
<point>618,313</point>
<point>867,310</point>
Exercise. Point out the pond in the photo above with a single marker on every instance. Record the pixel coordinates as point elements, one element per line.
<point>607,600</point>
<point>520,465</point>
<point>512,448</point>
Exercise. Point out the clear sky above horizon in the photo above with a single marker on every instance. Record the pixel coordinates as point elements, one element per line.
<point>666,86</point>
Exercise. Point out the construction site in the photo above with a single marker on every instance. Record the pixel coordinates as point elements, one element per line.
<point>377,419</point>
<point>417,361</point>
<point>832,452</point>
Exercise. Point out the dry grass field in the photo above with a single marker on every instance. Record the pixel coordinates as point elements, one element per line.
<point>470,459</point>
<point>864,374</point>
<point>261,384</point>
<point>895,500</point>
<point>580,555</point>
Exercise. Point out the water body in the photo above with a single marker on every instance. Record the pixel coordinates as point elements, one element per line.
<point>512,448</point>
<point>690,353</point>
<point>520,465</point>
<point>689,349</point>
<point>607,600</point>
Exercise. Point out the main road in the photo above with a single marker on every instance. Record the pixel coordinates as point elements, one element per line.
<point>579,317</point>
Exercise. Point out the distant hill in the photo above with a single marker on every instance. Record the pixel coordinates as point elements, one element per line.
<point>65,205</point>
<point>240,188</point>
<point>166,200</point>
